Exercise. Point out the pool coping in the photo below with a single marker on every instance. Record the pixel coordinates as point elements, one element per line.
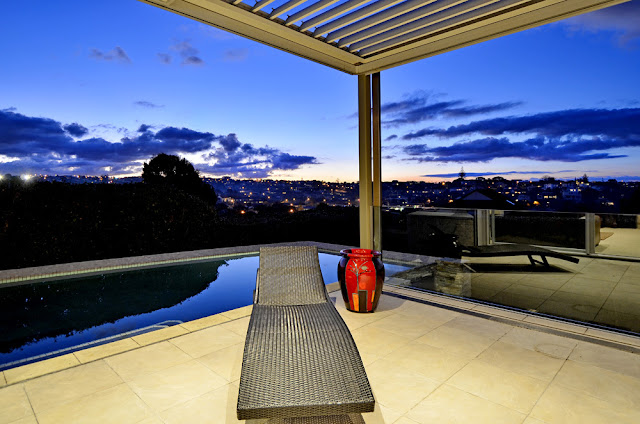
<point>22,373</point>
<point>518,319</point>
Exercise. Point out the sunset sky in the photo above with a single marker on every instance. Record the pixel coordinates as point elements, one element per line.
<point>98,87</point>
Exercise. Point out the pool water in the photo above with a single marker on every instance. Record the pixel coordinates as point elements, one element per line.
<point>51,318</point>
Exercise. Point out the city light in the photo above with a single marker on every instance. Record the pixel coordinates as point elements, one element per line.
<point>25,177</point>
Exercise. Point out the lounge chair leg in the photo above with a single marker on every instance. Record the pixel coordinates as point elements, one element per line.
<point>544,259</point>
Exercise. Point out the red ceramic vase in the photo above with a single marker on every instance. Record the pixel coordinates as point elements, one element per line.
<point>361,275</point>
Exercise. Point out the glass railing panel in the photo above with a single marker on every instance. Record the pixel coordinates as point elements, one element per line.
<point>619,235</point>
<point>554,229</point>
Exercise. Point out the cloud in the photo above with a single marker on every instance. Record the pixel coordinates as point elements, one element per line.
<point>75,129</point>
<point>117,54</point>
<point>144,103</point>
<point>572,122</point>
<point>43,145</point>
<point>188,53</point>
<point>539,149</point>
<point>623,20</point>
<point>421,107</point>
<point>236,55</point>
<point>164,58</point>
<point>490,174</point>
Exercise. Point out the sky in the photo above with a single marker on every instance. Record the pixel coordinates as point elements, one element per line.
<point>99,87</point>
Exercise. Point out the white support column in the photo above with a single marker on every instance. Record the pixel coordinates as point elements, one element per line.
<point>377,162</point>
<point>365,183</point>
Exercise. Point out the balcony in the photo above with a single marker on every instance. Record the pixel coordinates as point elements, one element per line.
<point>429,357</point>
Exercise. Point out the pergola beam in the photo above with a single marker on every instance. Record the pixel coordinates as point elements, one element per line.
<point>354,17</point>
<point>331,13</point>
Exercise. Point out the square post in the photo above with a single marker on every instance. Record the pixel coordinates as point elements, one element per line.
<point>365,182</point>
<point>377,162</point>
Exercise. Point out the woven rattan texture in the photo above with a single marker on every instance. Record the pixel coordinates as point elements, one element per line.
<point>290,276</point>
<point>330,419</point>
<point>301,361</point>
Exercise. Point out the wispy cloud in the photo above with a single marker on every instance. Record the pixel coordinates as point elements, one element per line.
<point>117,54</point>
<point>188,53</point>
<point>492,174</point>
<point>44,145</point>
<point>622,20</point>
<point>622,123</point>
<point>150,105</point>
<point>165,58</point>
<point>423,106</point>
<point>236,55</point>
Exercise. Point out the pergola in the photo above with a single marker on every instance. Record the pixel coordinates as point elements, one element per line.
<point>364,37</point>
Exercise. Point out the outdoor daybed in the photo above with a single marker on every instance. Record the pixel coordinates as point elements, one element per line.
<point>299,357</point>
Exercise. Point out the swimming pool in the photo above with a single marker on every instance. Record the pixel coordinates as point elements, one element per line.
<point>50,318</point>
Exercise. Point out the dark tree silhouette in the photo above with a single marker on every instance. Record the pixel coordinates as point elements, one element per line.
<point>166,169</point>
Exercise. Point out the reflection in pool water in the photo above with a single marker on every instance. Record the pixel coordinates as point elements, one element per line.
<point>53,316</point>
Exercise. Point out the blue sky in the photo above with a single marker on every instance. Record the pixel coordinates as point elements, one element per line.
<point>98,87</point>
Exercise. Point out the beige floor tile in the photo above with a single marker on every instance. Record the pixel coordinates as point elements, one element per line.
<point>239,312</point>
<point>226,362</point>
<point>206,341</point>
<point>103,351</point>
<point>151,420</point>
<point>63,386</point>
<point>617,319</point>
<point>397,387</point>
<point>588,286</point>
<point>578,298</point>
<point>432,362</point>
<point>490,282</point>
<point>238,326</point>
<point>117,405</point>
<point>531,420</point>
<point>559,405</point>
<point>404,420</point>
<point>625,303</point>
<point>515,391</point>
<point>606,270</point>
<point>450,405</point>
<point>519,301</point>
<point>388,415</point>
<point>37,369</point>
<point>431,314</point>
<point>598,382</point>
<point>625,287</point>
<point>522,361</point>
<point>606,357</point>
<point>175,385</point>
<point>209,408</point>
<point>405,325</point>
<point>205,322</point>
<point>160,335</point>
<point>458,342</point>
<point>547,344</point>
<point>3,382</point>
<point>544,280</point>
<point>146,360</point>
<point>479,326</point>
<point>376,341</point>
<point>14,404</point>
<point>528,290</point>
<point>355,320</point>
<point>576,311</point>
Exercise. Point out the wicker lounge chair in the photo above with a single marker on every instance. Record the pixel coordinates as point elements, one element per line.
<point>516,250</point>
<point>299,357</point>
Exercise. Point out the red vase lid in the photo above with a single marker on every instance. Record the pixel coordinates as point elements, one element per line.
<point>361,253</point>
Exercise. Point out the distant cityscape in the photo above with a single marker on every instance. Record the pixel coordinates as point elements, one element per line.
<point>544,194</point>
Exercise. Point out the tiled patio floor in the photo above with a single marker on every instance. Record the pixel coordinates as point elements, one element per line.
<point>425,363</point>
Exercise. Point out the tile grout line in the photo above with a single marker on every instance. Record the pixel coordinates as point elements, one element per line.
<point>24,388</point>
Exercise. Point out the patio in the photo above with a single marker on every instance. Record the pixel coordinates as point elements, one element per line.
<point>428,358</point>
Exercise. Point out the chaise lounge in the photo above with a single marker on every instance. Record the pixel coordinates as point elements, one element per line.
<point>299,357</point>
